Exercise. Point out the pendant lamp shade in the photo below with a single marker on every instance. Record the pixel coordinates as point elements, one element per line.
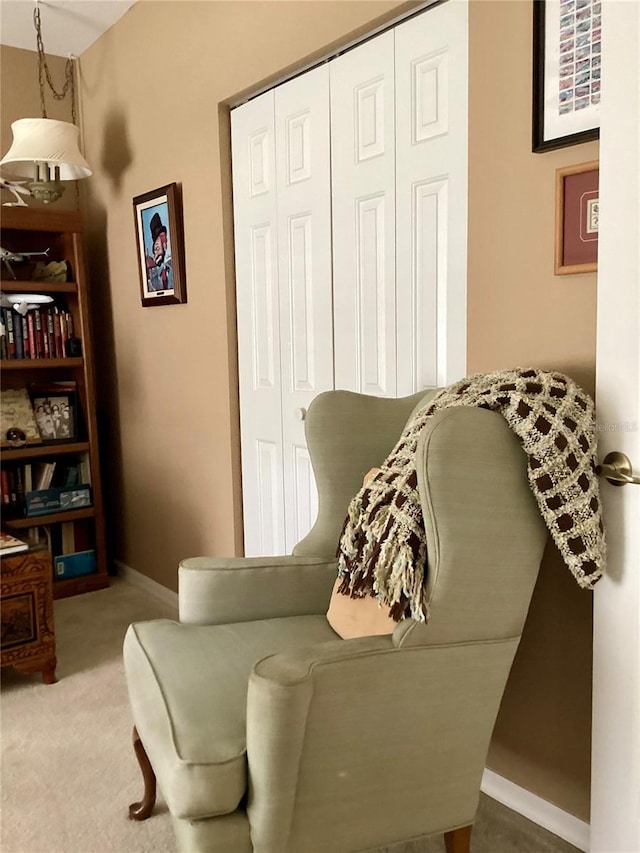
<point>45,140</point>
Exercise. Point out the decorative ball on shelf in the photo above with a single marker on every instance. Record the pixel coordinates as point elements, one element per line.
<point>16,437</point>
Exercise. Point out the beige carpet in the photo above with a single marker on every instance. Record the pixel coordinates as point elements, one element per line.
<point>68,771</point>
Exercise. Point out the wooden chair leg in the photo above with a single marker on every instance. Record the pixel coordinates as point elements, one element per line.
<point>458,840</point>
<point>142,810</point>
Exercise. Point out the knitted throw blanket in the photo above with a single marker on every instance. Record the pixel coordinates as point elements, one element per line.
<point>382,550</point>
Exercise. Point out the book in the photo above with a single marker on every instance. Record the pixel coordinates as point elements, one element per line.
<point>19,475</point>
<point>68,538</point>
<point>73,565</point>
<point>4,353</point>
<point>37,321</point>
<point>57,335</point>
<point>6,493</point>
<point>11,544</point>
<point>8,321</point>
<point>17,336</point>
<point>85,470</point>
<point>44,475</point>
<point>64,335</point>
<point>25,337</point>
<point>46,343</point>
<point>31,335</point>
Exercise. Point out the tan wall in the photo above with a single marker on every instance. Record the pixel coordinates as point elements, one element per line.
<point>152,86</point>
<point>520,313</point>
<point>20,98</point>
<point>167,375</point>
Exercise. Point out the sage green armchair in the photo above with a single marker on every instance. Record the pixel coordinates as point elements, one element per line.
<point>267,732</point>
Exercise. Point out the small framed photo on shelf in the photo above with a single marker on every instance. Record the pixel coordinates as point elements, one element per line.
<point>577,219</point>
<point>567,40</point>
<point>17,421</point>
<point>160,242</point>
<point>55,412</point>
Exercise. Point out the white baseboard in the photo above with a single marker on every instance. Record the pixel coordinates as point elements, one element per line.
<point>540,811</point>
<point>145,583</point>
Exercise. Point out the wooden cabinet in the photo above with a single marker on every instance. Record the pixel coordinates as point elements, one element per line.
<point>73,529</point>
<point>28,638</point>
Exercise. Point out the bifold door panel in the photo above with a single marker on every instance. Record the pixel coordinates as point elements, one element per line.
<point>282,204</point>
<point>364,222</point>
<point>350,204</point>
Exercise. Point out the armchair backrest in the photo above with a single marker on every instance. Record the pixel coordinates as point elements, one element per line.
<point>485,535</point>
<point>347,434</point>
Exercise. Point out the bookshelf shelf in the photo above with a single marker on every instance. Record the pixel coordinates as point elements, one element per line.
<point>52,518</point>
<point>53,330</point>
<point>76,586</point>
<point>39,363</point>
<point>12,285</point>
<point>38,451</point>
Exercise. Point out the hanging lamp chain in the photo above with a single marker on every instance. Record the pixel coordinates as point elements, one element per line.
<point>44,73</point>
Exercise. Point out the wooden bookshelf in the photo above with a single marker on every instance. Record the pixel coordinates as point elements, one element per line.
<point>30,230</point>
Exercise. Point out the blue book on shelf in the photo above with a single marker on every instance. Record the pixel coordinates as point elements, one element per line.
<point>74,565</point>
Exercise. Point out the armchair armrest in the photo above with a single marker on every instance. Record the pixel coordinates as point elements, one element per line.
<point>282,690</point>
<point>341,727</point>
<point>222,590</point>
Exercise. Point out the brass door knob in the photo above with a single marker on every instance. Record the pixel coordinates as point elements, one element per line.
<point>616,469</point>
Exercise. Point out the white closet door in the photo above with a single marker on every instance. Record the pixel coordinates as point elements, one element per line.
<point>304,263</point>
<point>363,191</point>
<point>255,213</point>
<point>431,52</point>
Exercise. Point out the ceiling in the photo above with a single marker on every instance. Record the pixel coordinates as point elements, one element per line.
<point>68,26</point>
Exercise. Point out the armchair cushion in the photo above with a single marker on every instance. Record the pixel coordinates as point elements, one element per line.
<point>189,705</point>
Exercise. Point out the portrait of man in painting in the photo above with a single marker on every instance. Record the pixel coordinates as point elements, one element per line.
<point>157,246</point>
<point>158,219</point>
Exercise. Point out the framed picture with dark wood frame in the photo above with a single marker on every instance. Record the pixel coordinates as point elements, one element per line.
<point>56,414</point>
<point>160,242</point>
<point>566,72</point>
<point>577,218</point>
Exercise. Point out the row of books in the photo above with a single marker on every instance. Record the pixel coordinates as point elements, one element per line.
<point>21,480</point>
<point>41,333</point>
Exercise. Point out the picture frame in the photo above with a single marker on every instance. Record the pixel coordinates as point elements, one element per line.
<point>56,414</point>
<point>566,73</point>
<point>17,415</point>
<point>577,219</point>
<point>160,245</point>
